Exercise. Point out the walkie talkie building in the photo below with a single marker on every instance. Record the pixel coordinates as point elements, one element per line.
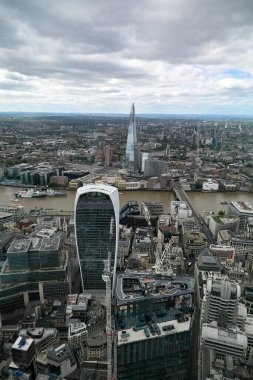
<point>132,159</point>
<point>97,231</point>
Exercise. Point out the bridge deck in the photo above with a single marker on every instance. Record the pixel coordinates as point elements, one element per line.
<point>182,196</point>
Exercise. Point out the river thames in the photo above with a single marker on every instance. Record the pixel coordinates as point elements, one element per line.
<point>201,201</point>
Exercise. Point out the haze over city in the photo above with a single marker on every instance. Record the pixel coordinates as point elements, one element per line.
<point>189,57</point>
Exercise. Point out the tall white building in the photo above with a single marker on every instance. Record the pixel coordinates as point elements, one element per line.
<point>223,342</point>
<point>220,302</point>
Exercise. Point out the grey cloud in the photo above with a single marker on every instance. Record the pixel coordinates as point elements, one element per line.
<point>5,85</point>
<point>176,32</point>
<point>85,42</point>
<point>69,68</point>
<point>87,25</point>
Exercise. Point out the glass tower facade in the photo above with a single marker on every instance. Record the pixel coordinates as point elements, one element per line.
<point>132,160</point>
<point>154,319</point>
<point>96,226</point>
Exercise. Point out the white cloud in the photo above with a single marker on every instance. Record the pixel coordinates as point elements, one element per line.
<point>167,56</point>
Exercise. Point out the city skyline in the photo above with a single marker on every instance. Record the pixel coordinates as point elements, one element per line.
<point>177,300</point>
<point>187,57</point>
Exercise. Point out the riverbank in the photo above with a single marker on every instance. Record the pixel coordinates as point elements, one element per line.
<point>66,188</point>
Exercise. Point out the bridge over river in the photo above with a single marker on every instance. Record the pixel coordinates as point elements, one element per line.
<point>182,196</point>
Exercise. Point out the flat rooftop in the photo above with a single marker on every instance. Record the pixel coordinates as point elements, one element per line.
<point>135,286</point>
<point>130,335</point>
<point>22,343</point>
<point>96,340</point>
<point>21,245</point>
<point>51,243</point>
<point>205,258</point>
<point>243,207</point>
<point>224,219</point>
<point>76,328</point>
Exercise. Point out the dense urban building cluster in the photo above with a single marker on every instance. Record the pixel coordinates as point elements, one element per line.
<point>64,151</point>
<point>137,292</point>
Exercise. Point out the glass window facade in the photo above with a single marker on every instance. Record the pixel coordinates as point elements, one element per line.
<point>158,358</point>
<point>95,236</point>
<point>162,355</point>
<point>132,160</point>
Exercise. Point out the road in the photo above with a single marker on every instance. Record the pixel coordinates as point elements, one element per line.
<point>182,196</point>
<point>194,368</point>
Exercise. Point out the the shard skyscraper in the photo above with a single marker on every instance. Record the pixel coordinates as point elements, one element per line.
<point>132,159</point>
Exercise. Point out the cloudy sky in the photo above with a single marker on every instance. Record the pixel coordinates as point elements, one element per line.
<point>168,56</point>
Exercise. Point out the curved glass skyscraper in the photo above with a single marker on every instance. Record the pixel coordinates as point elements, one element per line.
<point>97,231</point>
<point>132,159</point>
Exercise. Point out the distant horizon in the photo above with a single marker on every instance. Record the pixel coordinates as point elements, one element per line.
<point>121,114</point>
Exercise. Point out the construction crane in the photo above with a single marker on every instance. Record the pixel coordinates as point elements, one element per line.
<point>110,334</point>
<point>115,340</point>
<point>162,263</point>
<point>106,276</point>
<point>158,254</point>
<point>147,216</point>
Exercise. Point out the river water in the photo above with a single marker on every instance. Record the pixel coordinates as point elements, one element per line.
<point>201,201</point>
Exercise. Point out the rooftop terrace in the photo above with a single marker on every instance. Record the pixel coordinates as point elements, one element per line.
<point>135,286</point>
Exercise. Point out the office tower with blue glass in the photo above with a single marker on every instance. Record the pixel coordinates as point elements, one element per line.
<point>35,269</point>
<point>154,319</point>
<point>132,159</point>
<point>97,230</point>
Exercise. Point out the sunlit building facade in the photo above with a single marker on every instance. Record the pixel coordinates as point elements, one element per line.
<point>97,230</point>
<point>132,159</point>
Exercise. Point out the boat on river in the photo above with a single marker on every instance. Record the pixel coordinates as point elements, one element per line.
<point>39,193</point>
<point>30,193</point>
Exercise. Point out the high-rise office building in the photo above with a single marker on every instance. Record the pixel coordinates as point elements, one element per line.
<point>35,268</point>
<point>223,343</point>
<point>220,302</point>
<point>23,351</point>
<point>132,159</point>
<point>97,230</point>
<point>154,322</point>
